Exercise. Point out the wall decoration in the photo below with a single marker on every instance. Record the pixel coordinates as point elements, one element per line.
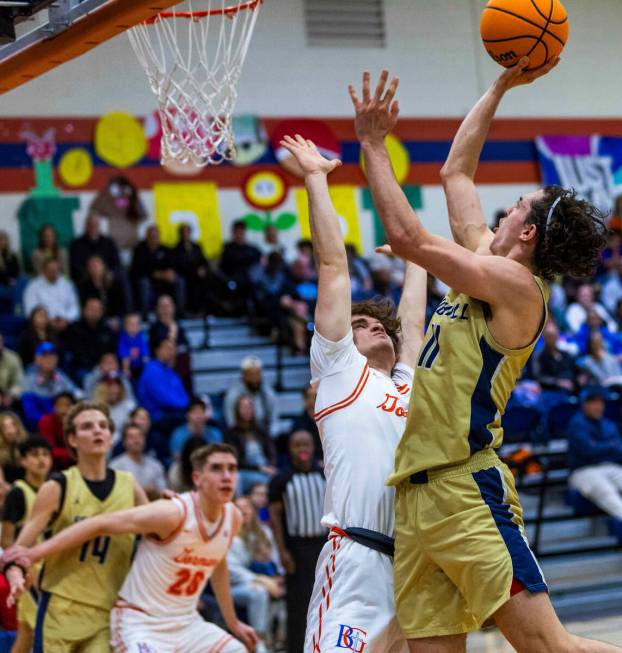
<point>250,139</point>
<point>41,150</point>
<point>195,203</point>
<point>120,140</point>
<point>266,190</point>
<point>75,167</point>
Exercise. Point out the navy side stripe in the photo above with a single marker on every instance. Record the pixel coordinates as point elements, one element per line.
<point>44,600</point>
<point>524,564</point>
<point>483,408</point>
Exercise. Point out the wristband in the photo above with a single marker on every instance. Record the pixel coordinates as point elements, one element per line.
<point>13,563</point>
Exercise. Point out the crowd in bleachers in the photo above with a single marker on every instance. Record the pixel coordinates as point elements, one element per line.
<point>86,325</point>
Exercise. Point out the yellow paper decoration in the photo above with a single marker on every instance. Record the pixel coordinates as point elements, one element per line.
<point>398,154</point>
<point>195,203</point>
<point>120,140</point>
<point>75,167</point>
<point>344,201</point>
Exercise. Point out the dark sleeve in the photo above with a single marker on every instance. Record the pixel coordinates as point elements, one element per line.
<point>14,506</point>
<point>61,479</point>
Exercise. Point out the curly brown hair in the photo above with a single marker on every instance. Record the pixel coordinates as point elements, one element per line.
<point>573,239</point>
<point>383,310</point>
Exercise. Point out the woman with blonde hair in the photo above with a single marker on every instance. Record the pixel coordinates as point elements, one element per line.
<point>12,434</point>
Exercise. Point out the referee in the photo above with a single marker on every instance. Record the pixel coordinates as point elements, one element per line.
<point>296,499</point>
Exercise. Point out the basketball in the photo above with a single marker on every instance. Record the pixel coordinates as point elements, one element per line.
<point>512,29</point>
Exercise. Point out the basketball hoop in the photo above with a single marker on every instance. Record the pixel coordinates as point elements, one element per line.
<point>193,60</point>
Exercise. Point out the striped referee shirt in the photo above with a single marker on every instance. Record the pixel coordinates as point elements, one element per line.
<point>302,495</point>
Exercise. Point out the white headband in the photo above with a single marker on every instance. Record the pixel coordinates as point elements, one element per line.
<point>550,215</point>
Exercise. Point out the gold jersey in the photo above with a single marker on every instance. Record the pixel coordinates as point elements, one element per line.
<point>463,381</point>
<point>93,572</point>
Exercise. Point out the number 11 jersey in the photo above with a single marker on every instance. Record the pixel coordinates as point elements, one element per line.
<point>168,576</point>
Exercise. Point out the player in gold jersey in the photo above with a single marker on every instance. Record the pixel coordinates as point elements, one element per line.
<point>461,554</point>
<point>79,587</point>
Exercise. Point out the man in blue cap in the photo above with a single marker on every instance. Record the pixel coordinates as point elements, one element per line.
<point>595,455</point>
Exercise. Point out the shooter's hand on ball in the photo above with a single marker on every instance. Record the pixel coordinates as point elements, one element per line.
<point>308,157</point>
<point>518,76</point>
<point>376,115</point>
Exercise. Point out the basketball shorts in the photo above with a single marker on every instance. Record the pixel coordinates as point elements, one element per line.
<point>135,631</point>
<point>65,626</point>
<point>460,548</point>
<point>352,605</point>
<point>27,608</point>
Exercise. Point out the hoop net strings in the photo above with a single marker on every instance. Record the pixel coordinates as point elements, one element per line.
<point>194,76</point>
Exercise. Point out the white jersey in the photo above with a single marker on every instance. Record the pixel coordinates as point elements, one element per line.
<point>167,577</point>
<point>361,414</point>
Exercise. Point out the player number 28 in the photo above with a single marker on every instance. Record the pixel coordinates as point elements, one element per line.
<point>187,583</point>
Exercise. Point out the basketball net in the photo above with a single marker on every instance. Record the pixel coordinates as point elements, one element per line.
<point>193,60</point>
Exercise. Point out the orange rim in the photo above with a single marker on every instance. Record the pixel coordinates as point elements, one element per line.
<point>194,15</point>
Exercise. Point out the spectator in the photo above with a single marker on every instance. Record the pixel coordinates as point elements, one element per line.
<point>11,377</point>
<point>148,471</point>
<point>360,278</point>
<point>11,283</point>
<point>12,434</point>
<point>38,329</point>
<point>251,383</point>
<point>100,282</point>
<point>603,368</point>
<point>166,326</point>
<point>47,248</point>
<point>296,509</point>
<point>595,454</point>
<point>256,455</point>
<point>50,426</point>
<point>132,349</point>
<point>553,368</point>
<point>249,589</point>
<point>55,293</point>
<point>153,272</point>
<point>258,496</point>
<point>108,366</point>
<point>110,391</point>
<point>93,243</point>
<point>594,323</point>
<point>384,282</point>
<point>89,339</point>
<point>160,389</point>
<point>198,418</point>
<point>576,313</point>
<point>239,259</point>
<point>42,382</point>
<point>180,472</point>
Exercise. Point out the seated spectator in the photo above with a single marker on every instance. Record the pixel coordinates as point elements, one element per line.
<point>108,365</point>
<point>11,376</point>
<point>100,282</point>
<point>602,367</point>
<point>384,282</point>
<point>11,282</point>
<point>111,392</point>
<point>595,454</point>
<point>256,454</point>
<point>148,471</point>
<point>153,273</point>
<point>553,368</point>
<point>38,329</point>
<point>42,382</point>
<point>160,389</point>
<point>55,293</point>
<point>93,243</point>
<point>251,383</point>
<point>47,248</point>
<point>296,509</point>
<point>306,420</point>
<point>239,259</point>
<point>12,435</point>
<point>50,426</point>
<point>258,496</point>
<point>88,339</point>
<point>270,244</point>
<point>360,278</point>
<point>198,418</point>
<point>180,472</point>
<point>594,323</point>
<point>250,589</point>
<point>132,348</point>
<point>166,326</point>
<point>576,313</point>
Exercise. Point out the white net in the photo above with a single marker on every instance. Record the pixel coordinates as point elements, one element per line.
<point>193,58</point>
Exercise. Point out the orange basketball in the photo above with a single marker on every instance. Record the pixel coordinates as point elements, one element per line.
<point>512,29</point>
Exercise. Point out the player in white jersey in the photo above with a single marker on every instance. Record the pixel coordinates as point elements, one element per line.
<point>187,539</point>
<point>361,409</point>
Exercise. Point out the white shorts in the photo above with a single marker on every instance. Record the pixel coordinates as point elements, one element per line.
<point>134,631</point>
<point>352,605</point>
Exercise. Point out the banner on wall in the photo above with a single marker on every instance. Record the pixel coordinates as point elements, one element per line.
<point>590,164</point>
<point>195,203</point>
